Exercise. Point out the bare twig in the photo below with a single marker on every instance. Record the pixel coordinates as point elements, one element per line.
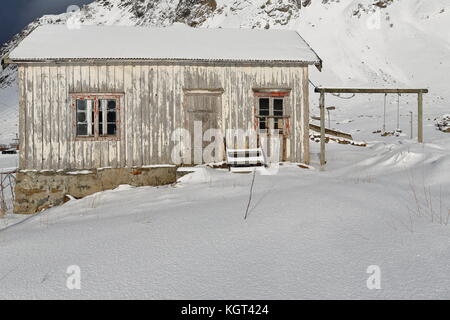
<point>250,195</point>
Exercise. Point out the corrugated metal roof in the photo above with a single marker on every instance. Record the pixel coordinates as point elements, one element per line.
<point>58,42</point>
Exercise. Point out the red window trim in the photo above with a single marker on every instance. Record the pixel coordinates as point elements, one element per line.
<point>96,97</point>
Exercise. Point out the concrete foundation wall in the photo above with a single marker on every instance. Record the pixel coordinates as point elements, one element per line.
<point>38,190</point>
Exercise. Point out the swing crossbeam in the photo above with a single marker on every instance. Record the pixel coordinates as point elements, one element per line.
<point>323,91</point>
<point>368,90</point>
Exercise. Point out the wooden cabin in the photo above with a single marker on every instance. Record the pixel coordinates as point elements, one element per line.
<point>112,96</point>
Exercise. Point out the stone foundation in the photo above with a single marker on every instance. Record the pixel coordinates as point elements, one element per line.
<point>38,190</point>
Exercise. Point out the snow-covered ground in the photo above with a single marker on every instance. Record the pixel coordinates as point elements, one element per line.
<point>309,233</point>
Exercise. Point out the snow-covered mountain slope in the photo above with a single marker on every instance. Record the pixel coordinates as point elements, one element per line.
<point>9,95</point>
<point>401,43</point>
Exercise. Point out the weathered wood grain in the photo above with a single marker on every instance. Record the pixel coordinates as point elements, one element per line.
<point>153,105</point>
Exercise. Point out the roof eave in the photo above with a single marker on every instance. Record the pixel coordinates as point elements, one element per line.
<point>318,64</point>
<point>4,61</point>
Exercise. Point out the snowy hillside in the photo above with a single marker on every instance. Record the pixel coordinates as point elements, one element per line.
<point>400,43</point>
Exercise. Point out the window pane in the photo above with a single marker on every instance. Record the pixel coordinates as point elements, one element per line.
<point>100,116</point>
<point>82,129</point>
<point>111,128</point>
<point>81,117</point>
<point>111,104</point>
<point>264,107</point>
<point>262,123</point>
<point>277,107</point>
<point>111,117</point>
<point>81,105</point>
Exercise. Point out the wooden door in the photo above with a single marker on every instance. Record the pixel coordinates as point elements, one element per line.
<point>272,118</point>
<point>202,113</point>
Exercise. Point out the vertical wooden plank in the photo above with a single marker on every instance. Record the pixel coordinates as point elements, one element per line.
<point>178,110</point>
<point>22,117</point>
<point>153,111</point>
<point>225,99</point>
<point>237,107</point>
<point>161,111</point>
<point>78,146</point>
<point>85,87</point>
<point>37,102</point>
<point>305,156</point>
<point>222,115</point>
<point>170,115</point>
<point>102,72</point>
<point>137,116</point>
<point>47,122</point>
<point>292,138</point>
<point>103,146</point>
<point>111,87</point>
<point>226,120</point>
<point>120,145</point>
<point>144,116</point>
<point>55,122</point>
<point>247,97</point>
<point>159,114</point>
<point>96,146</point>
<point>29,106</point>
<point>297,115</point>
<point>65,112</point>
<point>128,112</point>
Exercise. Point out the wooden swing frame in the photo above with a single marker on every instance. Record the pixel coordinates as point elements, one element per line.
<point>323,91</point>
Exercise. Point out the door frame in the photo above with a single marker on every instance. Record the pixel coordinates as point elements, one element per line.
<point>210,92</point>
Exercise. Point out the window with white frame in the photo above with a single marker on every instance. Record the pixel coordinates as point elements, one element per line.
<point>97,116</point>
<point>85,117</point>
<point>107,117</point>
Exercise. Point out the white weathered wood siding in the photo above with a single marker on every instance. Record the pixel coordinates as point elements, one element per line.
<point>152,107</point>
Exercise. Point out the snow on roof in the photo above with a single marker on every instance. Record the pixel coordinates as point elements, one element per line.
<point>171,43</point>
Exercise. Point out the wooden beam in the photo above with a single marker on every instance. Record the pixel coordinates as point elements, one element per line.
<point>322,128</point>
<point>420,118</point>
<point>4,61</point>
<point>368,90</point>
<point>335,133</point>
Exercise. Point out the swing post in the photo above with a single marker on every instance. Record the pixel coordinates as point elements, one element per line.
<point>398,112</point>
<point>420,117</point>
<point>411,124</point>
<point>322,128</point>
<point>384,113</point>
